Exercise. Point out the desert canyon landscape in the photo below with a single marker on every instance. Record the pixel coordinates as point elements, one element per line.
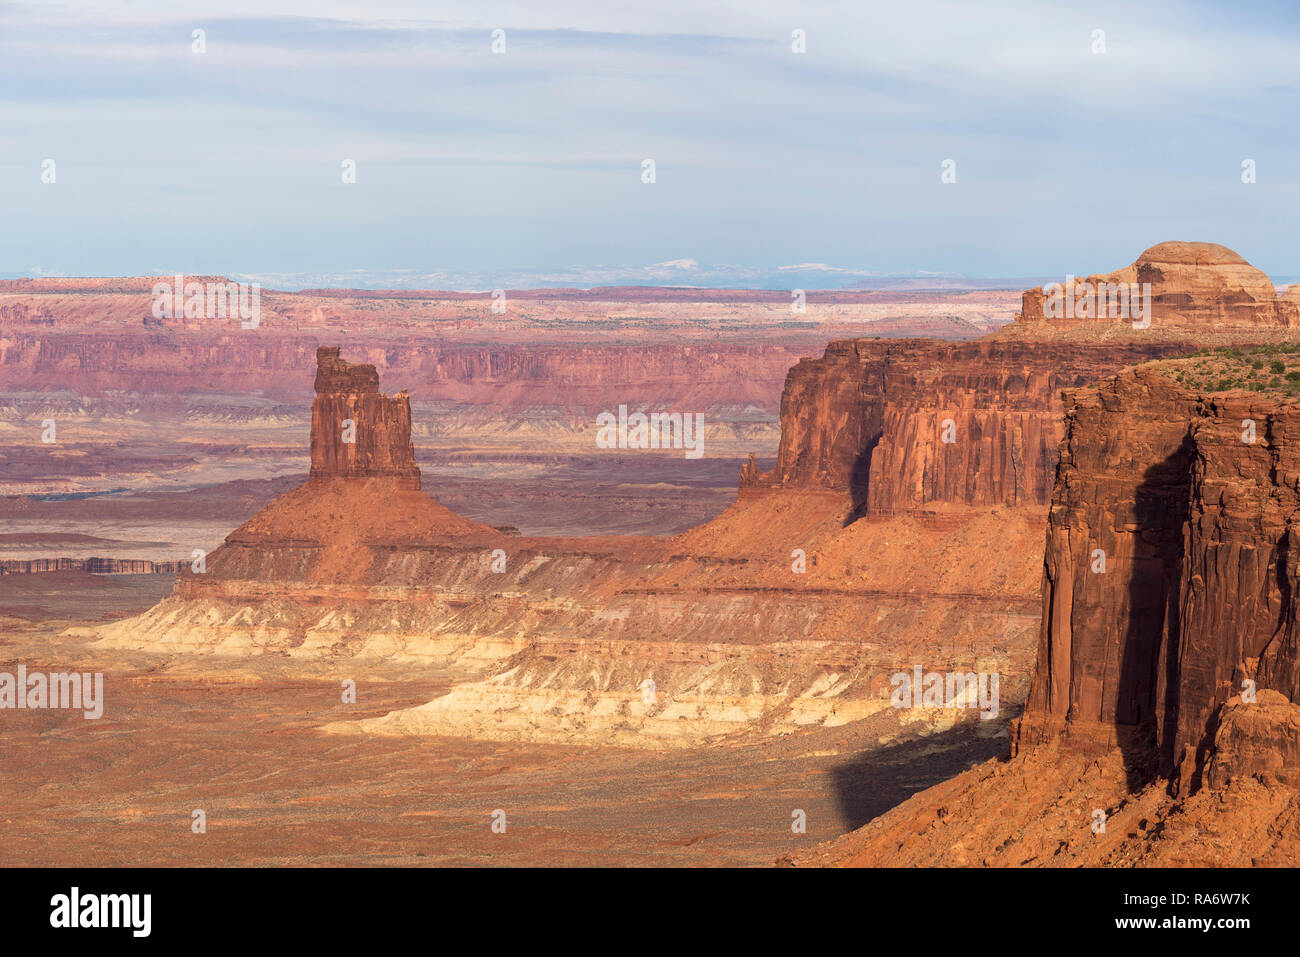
<point>363,581</point>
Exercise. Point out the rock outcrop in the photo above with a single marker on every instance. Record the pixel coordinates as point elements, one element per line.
<point>1258,739</point>
<point>357,432</point>
<point>1170,569</point>
<point>903,424</point>
<point>1192,284</point>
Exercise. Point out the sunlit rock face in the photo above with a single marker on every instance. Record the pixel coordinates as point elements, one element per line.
<point>1191,284</point>
<point>901,425</point>
<point>357,431</point>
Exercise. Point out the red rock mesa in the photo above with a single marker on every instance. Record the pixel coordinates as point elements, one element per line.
<point>1168,662</point>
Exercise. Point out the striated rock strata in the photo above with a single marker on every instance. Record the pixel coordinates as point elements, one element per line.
<point>903,424</point>
<point>93,566</point>
<point>558,637</point>
<point>1194,503</point>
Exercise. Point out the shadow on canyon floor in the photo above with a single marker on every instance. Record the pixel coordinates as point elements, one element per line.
<point>875,781</point>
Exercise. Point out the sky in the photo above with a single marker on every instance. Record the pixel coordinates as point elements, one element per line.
<point>477,169</point>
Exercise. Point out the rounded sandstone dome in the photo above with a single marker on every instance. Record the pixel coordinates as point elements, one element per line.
<point>1191,254</point>
<point>1186,284</point>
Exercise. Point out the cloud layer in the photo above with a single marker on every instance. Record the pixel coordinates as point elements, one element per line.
<point>497,169</point>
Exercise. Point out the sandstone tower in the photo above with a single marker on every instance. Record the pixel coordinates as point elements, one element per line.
<point>356,430</point>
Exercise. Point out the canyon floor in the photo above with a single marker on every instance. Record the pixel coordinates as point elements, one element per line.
<point>171,436</point>
<point>243,745</point>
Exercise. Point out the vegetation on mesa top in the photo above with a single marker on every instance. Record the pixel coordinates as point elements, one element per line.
<point>1274,367</point>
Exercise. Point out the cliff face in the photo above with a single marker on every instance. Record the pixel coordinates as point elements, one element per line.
<point>357,432</point>
<point>899,425</point>
<point>1163,703</point>
<point>1192,284</point>
<point>94,566</point>
<point>830,419</point>
<point>574,379</point>
<point>358,562</point>
<point>1170,571</point>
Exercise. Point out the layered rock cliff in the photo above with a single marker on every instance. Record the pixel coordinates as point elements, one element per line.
<point>899,425</point>
<point>580,379</point>
<point>1170,568</point>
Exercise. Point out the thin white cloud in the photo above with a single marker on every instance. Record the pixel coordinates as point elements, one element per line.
<point>478,165</point>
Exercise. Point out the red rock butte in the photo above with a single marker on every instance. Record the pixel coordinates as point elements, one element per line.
<point>357,431</point>
<point>1192,284</point>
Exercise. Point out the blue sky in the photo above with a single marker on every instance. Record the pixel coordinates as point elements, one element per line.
<point>479,170</point>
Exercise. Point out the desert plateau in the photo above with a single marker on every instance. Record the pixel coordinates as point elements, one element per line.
<point>1055,511</point>
<point>462,463</point>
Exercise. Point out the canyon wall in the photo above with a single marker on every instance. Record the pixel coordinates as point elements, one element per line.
<point>1170,571</point>
<point>899,425</point>
<point>94,566</point>
<point>579,379</point>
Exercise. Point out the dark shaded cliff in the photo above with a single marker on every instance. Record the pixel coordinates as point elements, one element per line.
<point>1170,575</point>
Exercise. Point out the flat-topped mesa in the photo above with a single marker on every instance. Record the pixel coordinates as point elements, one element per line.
<point>1190,284</point>
<point>357,432</point>
<point>902,424</point>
